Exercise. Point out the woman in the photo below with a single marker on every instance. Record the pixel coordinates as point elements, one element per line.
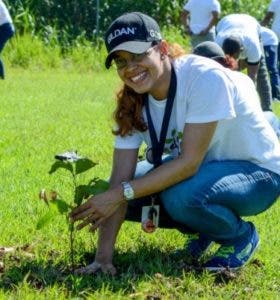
<point>224,158</point>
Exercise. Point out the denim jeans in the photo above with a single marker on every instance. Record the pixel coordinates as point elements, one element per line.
<point>263,86</point>
<point>271,59</point>
<point>6,32</point>
<point>197,39</point>
<point>278,54</point>
<point>214,199</point>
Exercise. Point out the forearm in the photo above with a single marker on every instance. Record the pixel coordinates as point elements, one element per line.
<point>185,20</point>
<point>123,170</point>
<point>194,145</point>
<point>107,235</point>
<point>252,71</point>
<point>163,177</point>
<point>267,18</point>
<point>213,21</point>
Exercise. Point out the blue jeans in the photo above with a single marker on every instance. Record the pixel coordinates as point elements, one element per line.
<point>197,39</point>
<point>6,32</point>
<point>214,199</point>
<point>271,58</point>
<point>278,58</point>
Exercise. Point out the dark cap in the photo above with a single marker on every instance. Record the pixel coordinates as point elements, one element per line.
<point>132,32</point>
<point>232,45</point>
<point>209,49</point>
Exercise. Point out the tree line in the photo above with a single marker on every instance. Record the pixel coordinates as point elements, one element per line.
<point>69,20</point>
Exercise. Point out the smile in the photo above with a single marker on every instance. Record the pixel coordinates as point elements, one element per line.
<point>139,77</point>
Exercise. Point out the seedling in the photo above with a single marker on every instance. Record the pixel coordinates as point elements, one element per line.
<point>75,165</point>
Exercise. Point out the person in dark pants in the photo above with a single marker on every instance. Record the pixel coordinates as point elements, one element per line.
<point>273,14</point>
<point>6,32</point>
<point>270,45</point>
<point>239,36</point>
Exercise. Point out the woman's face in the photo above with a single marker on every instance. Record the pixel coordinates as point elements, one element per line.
<point>144,73</point>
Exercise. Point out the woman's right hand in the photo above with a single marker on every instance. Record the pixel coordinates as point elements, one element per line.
<point>93,268</point>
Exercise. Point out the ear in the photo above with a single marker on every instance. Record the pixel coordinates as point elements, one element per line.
<point>164,47</point>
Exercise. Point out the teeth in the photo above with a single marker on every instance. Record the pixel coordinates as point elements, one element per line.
<point>138,77</point>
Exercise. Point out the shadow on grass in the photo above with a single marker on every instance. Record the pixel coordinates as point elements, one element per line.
<point>133,267</point>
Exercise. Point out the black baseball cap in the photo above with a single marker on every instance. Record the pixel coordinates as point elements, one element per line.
<point>133,32</point>
<point>209,49</point>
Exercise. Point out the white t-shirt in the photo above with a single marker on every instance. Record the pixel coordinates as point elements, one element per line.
<point>208,92</point>
<point>247,29</point>
<point>4,14</point>
<point>275,8</point>
<point>268,36</point>
<point>201,13</point>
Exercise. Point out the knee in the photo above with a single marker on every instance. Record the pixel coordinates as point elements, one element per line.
<point>177,203</point>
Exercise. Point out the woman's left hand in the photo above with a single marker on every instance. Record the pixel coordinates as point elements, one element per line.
<point>96,209</point>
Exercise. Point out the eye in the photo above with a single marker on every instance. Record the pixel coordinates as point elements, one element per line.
<point>120,62</point>
<point>139,56</point>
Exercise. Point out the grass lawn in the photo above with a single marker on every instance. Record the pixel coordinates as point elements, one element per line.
<point>47,112</point>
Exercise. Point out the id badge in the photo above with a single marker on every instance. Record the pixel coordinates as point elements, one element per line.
<point>150,218</point>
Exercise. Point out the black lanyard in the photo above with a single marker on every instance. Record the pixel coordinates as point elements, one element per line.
<point>158,146</point>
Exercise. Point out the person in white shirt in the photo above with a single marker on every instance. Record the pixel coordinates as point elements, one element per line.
<point>6,32</point>
<point>270,44</point>
<point>223,157</point>
<point>199,18</point>
<point>239,36</point>
<point>273,13</point>
<point>214,51</point>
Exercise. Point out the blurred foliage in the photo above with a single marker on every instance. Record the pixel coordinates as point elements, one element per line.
<point>66,21</point>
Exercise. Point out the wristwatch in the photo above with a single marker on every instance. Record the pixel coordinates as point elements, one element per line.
<point>128,191</point>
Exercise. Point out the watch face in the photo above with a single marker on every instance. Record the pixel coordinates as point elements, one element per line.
<point>128,191</point>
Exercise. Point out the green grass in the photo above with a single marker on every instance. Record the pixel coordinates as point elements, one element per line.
<point>47,112</point>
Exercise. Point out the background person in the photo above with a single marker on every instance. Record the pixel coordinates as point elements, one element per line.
<point>199,18</point>
<point>273,13</point>
<point>214,51</point>
<point>270,45</point>
<point>216,171</point>
<point>6,32</point>
<point>239,36</point>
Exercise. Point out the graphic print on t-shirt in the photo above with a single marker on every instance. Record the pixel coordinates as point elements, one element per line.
<point>172,145</point>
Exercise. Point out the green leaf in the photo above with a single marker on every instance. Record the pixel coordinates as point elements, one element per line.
<point>168,141</point>
<point>81,192</point>
<point>95,186</point>
<point>98,186</point>
<point>84,164</point>
<point>44,220</point>
<point>61,165</point>
<point>61,206</point>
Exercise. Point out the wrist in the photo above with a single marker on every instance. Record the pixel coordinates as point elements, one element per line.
<point>128,192</point>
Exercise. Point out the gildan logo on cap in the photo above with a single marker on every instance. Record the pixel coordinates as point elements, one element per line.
<point>120,32</point>
<point>155,34</point>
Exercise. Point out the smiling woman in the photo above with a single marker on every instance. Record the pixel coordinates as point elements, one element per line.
<point>211,155</point>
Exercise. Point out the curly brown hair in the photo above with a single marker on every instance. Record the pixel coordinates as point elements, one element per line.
<point>128,113</point>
